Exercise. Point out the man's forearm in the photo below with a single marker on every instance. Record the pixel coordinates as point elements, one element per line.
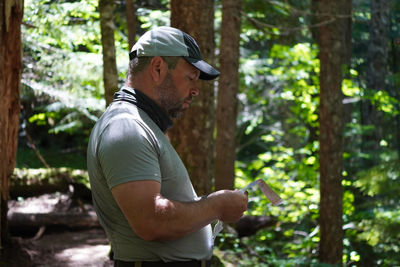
<point>154,217</point>
<point>174,219</point>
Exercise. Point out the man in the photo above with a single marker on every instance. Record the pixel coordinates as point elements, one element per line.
<point>141,190</point>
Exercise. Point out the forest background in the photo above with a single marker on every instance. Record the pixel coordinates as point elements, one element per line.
<point>277,123</point>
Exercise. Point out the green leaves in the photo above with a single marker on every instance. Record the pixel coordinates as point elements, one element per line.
<point>65,25</point>
<point>153,18</point>
<point>386,103</point>
<point>63,64</point>
<point>381,180</point>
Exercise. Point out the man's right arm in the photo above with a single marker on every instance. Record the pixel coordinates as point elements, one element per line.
<point>126,152</point>
<point>155,218</point>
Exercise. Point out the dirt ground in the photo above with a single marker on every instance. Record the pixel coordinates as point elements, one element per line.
<point>68,248</point>
<point>56,247</point>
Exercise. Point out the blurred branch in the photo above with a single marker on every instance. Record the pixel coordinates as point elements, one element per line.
<point>37,152</point>
<point>26,24</point>
<point>285,31</point>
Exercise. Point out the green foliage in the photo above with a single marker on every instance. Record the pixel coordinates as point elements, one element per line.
<point>266,22</point>
<point>62,75</point>
<point>279,124</point>
<point>375,225</point>
<point>153,18</point>
<point>55,157</point>
<point>63,62</point>
<point>380,180</point>
<point>65,25</point>
<point>384,102</point>
<point>287,111</point>
<point>298,68</point>
<point>279,121</point>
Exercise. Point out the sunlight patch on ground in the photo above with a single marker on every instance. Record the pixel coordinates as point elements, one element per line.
<point>84,255</point>
<point>42,204</point>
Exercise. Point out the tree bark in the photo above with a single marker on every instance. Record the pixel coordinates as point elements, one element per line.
<point>192,134</point>
<point>331,45</point>
<point>11,13</point>
<point>228,88</point>
<point>110,74</point>
<point>131,21</point>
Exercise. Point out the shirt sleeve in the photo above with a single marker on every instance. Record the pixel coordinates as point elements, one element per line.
<point>127,152</point>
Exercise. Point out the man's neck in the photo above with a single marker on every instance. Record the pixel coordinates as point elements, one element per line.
<point>144,85</point>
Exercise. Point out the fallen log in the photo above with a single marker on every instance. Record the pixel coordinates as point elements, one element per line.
<point>249,225</point>
<point>67,219</point>
<point>35,182</point>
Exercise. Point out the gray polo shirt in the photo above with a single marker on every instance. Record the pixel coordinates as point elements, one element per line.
<point>126,145</point>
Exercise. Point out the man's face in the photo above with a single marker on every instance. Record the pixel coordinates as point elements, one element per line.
<point>178,88</point>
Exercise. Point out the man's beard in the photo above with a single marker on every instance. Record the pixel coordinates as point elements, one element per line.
<point>169,101</point>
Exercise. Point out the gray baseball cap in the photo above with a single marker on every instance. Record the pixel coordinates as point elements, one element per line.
<point>168,41</point>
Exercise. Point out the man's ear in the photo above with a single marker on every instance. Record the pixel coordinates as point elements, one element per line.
<point>158,69</point>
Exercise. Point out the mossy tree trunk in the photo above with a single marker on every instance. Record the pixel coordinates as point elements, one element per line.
<point>11,13</point>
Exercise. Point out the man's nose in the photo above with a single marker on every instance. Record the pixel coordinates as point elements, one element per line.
<point>195,91</point>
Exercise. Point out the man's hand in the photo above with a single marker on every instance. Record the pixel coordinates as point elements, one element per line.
<point>230,204</point>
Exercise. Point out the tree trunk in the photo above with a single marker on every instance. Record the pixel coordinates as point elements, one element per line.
<point>227,95</point>
<point>192,134</point>
<point>11,13</point>
<point>110,74</point>
<point>377,70</point>
<point>131,21</point>
<point>331,44</point>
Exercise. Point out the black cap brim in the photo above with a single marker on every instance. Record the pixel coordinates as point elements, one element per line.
<point>207,72</point>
